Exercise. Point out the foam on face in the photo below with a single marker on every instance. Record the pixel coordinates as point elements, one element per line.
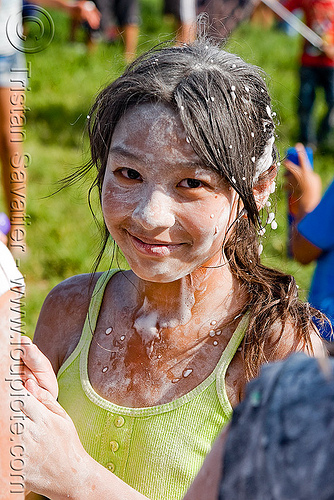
<point>159,207</point>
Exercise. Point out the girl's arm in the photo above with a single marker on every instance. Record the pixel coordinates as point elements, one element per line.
<point>62,318</point>
<point>281,344</point>
<point>56,464</point>
<point>318,346</point>
<point>49,431</point>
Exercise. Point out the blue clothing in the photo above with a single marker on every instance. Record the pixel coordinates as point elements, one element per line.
<point>318,228</point>
<point>13,71</point>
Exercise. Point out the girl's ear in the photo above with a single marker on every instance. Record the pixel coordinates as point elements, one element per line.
<point>265,185</point>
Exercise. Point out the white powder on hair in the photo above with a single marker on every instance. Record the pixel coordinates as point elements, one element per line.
<point>265,161</point>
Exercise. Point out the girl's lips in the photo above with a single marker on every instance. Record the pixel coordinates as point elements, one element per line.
<point>159,249</point>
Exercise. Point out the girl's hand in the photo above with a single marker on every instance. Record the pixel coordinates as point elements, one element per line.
<point>37,367</point>
<point>54,456</point>
<point>303,183</point>
<point>56,464</point>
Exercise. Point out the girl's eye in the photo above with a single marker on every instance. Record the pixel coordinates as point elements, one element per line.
<point>191,183</point>
<point>130,173</point>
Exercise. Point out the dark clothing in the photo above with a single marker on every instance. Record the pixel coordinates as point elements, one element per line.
<point>121,12</point>
<point>183,10</point>
<point>225,15</point>
<point>312,78</point>
<point>317,70</point>
<point>280,443</point>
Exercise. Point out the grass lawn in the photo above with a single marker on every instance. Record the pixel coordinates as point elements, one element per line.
<point>62,237</point>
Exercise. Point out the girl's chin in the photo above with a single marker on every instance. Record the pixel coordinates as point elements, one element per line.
<point>157,274</point>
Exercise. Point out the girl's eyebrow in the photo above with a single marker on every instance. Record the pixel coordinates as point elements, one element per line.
<point>120,151</point>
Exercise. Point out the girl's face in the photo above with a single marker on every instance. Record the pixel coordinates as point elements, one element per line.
<point>165,210</point>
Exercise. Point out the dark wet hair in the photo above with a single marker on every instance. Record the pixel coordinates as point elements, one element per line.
<point>280,442</point>
<point>222,101</point>
<point>225,109</point>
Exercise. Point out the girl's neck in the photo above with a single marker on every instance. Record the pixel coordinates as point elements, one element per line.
<point>208,296</point>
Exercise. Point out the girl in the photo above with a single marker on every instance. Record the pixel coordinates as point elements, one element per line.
<point>151,361</point>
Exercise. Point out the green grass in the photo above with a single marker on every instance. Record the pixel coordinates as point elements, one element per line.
<point>62,238</point>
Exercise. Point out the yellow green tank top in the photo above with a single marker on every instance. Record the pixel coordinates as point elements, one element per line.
<point>157,450</point>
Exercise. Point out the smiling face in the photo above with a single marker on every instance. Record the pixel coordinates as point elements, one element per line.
<point>165,210</point>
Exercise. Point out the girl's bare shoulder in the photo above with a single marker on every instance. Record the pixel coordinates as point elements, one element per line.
<point>284,341</point>
<point>62,317</point>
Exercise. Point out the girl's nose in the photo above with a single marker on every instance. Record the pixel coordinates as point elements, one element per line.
<point>155,211</point>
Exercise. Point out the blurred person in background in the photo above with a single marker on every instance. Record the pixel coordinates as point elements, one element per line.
<point>91,34</point>
<point>225,15</point>
<point>312,237</point>
<point>13,80</point>
<point>121,17</point>
<point>316,72</point>
<point>184,13</point>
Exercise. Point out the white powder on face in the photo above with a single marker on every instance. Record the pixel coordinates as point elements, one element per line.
<point>150,208</point>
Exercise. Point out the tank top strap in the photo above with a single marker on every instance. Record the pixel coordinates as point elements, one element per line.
<point>225,361</point>
<point>91,316</point>
<point>95,304</point>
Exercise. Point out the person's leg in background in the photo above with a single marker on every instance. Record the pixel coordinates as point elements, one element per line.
<point>187,30</point>
<point>127,15</point>
<point>107,22</point>
<point>184,15</point>
<point>326,131</point>
<point>13,161</point>
<point>308,84</point>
